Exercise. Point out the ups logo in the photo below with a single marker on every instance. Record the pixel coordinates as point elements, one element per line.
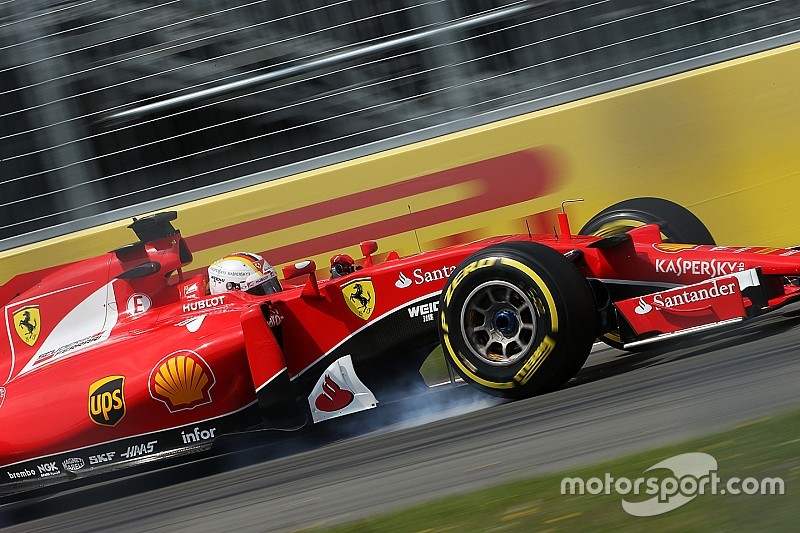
<point>107,401</point>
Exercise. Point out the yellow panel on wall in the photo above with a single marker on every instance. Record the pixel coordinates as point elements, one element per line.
<point>722,140</point>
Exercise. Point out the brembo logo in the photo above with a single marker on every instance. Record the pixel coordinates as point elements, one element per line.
<point>22,474</point>
<point>107,401</point>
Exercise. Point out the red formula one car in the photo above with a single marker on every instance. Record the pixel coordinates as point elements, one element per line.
<point>118,359</point>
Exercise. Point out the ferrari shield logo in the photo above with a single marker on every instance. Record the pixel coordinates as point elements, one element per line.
<point>27,322</point>
<point>359,295</point>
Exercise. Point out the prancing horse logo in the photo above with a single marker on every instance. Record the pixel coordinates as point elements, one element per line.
<point>27,322</point>
<point>359,295</point>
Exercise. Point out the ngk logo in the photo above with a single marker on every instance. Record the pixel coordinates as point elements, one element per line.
<point>48,469</point>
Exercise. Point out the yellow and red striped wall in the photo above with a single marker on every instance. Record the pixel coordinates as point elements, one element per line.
<point>723,140</point>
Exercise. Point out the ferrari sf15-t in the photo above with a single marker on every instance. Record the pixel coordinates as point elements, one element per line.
<point>120,358</point>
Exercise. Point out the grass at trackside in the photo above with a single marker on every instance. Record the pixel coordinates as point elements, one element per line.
<point>768,447</point>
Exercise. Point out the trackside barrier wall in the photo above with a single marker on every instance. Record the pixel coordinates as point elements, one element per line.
<point>723,140</point>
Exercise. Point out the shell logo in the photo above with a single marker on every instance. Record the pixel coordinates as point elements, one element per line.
<point>182,380</point>
<point>672,248</point>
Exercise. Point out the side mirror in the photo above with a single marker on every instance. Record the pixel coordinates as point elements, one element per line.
<point>367,249</point>
<point>311,289</point>
<point>298,269</point>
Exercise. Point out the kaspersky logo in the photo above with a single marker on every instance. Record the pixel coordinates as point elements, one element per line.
<point>107,401</point>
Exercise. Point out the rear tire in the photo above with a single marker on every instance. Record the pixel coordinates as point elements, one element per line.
<point>517,319</point>
<point>682,226</point>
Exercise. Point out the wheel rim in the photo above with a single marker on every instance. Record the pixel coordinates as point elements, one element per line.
<point>498,323</point>
<point>615,227</point>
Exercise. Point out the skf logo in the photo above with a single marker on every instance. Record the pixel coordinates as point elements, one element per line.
<point>182,380</point>
<point>107,401</point>
<point>101,458</point>
<point>27,322</point>
<point>359,295</point>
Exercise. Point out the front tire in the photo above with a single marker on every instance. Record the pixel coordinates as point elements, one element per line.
<point>517,319</point>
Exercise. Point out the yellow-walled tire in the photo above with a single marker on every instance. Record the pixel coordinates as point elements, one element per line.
<point>682,226</point>
<point>517,319</point>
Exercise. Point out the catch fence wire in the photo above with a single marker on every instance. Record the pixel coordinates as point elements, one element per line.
<point>88,130</point>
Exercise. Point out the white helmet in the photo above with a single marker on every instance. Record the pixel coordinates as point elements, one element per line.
<point>243,271</point>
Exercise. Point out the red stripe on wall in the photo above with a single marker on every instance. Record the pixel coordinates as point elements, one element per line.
<point>507,180</point>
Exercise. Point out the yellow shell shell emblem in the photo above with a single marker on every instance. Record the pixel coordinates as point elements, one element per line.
<point>359,295</point>
<point>674,248</point>
<point>27,323</point>
<point>182,380</point>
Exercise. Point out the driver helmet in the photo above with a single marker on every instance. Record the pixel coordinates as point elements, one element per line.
<point>243,271</point>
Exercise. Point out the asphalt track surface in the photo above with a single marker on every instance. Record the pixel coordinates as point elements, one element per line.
<point>451,441</point>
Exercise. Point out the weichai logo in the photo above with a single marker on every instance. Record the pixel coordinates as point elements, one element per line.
<point>107,401</point>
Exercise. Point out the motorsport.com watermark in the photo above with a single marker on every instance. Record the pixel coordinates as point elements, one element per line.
<point>693,474</point>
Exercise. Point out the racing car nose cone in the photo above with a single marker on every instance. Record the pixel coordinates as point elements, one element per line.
<point>505,321</point>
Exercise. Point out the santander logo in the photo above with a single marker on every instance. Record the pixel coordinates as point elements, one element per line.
<point>402,282</point>
<point>333,397</point>
<point>643,308</point>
